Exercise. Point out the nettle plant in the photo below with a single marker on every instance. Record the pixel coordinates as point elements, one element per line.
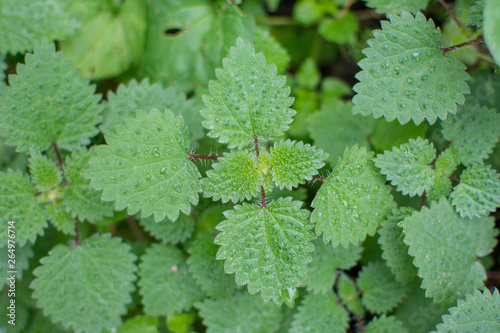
<point>378,226</point>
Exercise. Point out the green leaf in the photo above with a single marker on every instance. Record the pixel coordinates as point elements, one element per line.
<point>168,231</point>
<point>59,217</point>
<point>3,68</point>
<point>381,291</point>
<point>140,324</point>
<point>350,296</point>
<point>441,187</point>
<point>268,248</point>
<point>247,100</point>
<point>478,192</point>
<point>186,40</point>
<point>165,283</point>
<point>395,252</point>
<point>145,166</point>
<point>110,40</point>
<point>475,17</point>
<point>44,173</point>
<point>80,199</point>
<point>341,30</point>
<point>48,102</point>
<point>479,312</point>
<point>407,167</point>
<point>308,75</point>
<point>21,256</point>
<point>385,324</point>
<point>352,201</point>
<point>273,51</point>
<point>403,74</point>
<point>307,12</point>
<point>25,22</point>
<point>473,133</point>
<point>446,163</point>
<point>293,163</point>
<point>320,313</point>
<point>334,128</point>
<point>491,25</point>
<point>418,313</point>
<point>326,259</point>
<point>19,204</point>
<point>146,96</point>
<point>207,271</point>
<point>87,286</point>
<point>396,7</point>
<point>400,134</point>
<point>445,247</point>
<point>240,313</point>
<point>233,177</point>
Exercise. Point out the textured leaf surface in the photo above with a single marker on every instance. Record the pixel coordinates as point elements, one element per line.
<point>395,252</point>
<point>80,199</point>
<point>335,128</point>
<point>268,248</point>
<point>187,40</point>
<point>350,295</point>
<point>294,162</point>
<point>396,7</point>
<point>407,166</point>
<point>44,173</point>
<point>207,271</point>
<point>233,177</point>
<point>491,25</point>
<point>247,99</point>
<point>168,231</point>
<point>146,96</point>
<point>145,166</point>
<point>385,324</point>
<point>320,313</point>
<point>405,74</point>
<point>352,201</point>
<point>86,287</point>
<point>479,312</point>
<point>240,313</point>
<point>478,192</point>
<point>48,101</point>
<point>381,291</point>
<point>473,133</point>
<point>59,217</point>
<point>475,17</point>
<point>18,203</point>
<point>445,247</point>
<point>24,22</point>
<point>326,259</point>
<point>165,283</point>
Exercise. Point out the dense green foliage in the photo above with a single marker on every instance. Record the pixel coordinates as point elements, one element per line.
<point>250,166</point>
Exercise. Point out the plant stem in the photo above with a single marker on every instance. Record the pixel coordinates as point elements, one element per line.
<point>476,41</point>
<point>422,202</point>
<point>345,9</point>
<point>321,179</point>
<point>360,325</point>
<point>202,157</point>
<point>450,12</point>
<point>132,224</point>
<point>455,179</point>
<point>77,235</point>
<point>256,144</point>
<point>59,158</point>
<point>262,197</point>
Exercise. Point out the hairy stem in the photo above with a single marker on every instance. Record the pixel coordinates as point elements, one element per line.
<point>451,13</point>
<point>262,197</point>
<point>132,224</point>
<point>202,157</point>
<point>321,179</point>
<point>476,41</point>
<point>422,202</point>
<point>256,144</point>
<point>360,324</point>
<point>455,179</point>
